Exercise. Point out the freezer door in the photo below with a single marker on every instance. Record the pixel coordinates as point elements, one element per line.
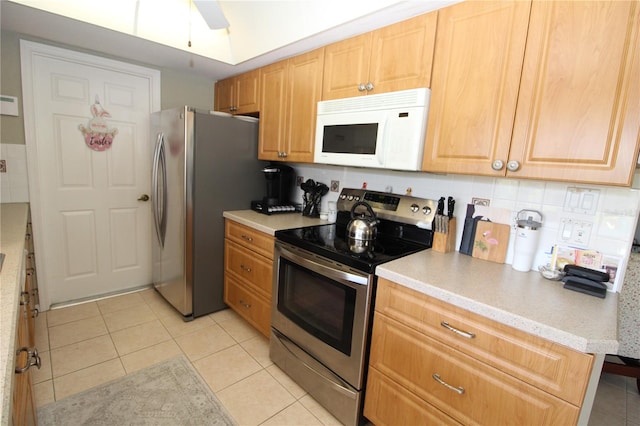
<point>169,203</point>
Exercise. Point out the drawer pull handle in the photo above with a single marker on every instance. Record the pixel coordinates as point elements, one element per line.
<point>25,298</point>
<point>32,359</point>
<point>245,304</point>
<point>245,268</point>
<point>246,238</point>
<point>466,334</point>
<point>459,390</point>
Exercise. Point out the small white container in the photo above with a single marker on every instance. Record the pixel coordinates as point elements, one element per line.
<point>527,237</point>
<point>332,214</point>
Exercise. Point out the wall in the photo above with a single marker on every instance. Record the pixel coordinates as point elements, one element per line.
<point>177,88</point>
<point>613,222</point>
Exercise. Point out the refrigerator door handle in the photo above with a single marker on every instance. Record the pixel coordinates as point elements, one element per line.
<point>155,189</point>
<point>163,205</point>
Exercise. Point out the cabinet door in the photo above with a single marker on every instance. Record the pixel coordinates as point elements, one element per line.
<point>402,54</point>
<point>304,90</point>
<point>346,66</point>
<point>578,114</point>
<point>224,95</point>
<point>272,111</point>
<point>247,92</point>
<point>474,89</point>
<point>24,412</point>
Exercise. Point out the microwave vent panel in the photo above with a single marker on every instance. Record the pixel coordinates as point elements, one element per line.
<point>401,99</point>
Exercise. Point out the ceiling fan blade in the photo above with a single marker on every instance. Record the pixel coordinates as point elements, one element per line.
<point>212,14</point>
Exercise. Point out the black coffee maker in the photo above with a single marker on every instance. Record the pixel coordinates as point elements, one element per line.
<point>279,181</point>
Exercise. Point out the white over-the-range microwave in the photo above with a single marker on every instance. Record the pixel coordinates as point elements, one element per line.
<point>379,131</point>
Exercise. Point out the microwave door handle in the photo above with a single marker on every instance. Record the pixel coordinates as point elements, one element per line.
<point>381,154</point>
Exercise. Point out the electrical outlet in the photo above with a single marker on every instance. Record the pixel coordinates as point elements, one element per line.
<point>335,185</point>
<point>299,180</point>
<point>3,166</point>
<point>581,200</point>
<point>480,201</point>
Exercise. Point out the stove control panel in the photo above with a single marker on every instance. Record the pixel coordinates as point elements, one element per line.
<point>400,208</point>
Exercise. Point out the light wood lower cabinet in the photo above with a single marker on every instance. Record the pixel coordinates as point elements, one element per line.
<point>429,358</point>
<point>23,404</point>
<point>248,274</point>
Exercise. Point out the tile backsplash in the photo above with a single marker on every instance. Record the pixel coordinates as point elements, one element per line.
<point>14,183</point>
<point>611,224</point>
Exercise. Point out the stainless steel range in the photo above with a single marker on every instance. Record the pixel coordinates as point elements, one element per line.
<point>324,291</point>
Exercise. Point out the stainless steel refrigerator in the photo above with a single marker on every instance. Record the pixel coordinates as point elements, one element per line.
<point>203,164</point>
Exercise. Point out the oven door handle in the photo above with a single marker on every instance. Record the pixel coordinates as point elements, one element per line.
<point>343,277</point>
<point>337,383</point>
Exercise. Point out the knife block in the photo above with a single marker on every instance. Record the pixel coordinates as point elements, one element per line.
<point>445,242</point>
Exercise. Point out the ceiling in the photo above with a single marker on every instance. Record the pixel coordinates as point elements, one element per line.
<point>157,32</point>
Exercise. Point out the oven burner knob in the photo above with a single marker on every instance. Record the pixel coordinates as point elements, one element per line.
<point>414,208</point>
<point>426,210</point>
<point>357,198</point>
<point>350,197</point>
<point>343,196</point>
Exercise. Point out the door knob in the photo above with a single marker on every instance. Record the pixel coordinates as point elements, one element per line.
<point>143,197</point>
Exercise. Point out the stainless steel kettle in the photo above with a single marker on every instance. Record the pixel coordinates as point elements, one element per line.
<point>362,230</point>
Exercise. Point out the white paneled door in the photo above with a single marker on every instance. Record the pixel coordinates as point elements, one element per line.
<point>92,231</point>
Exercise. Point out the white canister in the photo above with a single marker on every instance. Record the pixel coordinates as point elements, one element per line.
<point>527,236</point>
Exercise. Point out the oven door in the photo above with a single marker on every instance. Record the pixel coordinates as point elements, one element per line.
<point>324,308</point>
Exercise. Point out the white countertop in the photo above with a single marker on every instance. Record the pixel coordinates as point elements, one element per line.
<point>523,300</point>
<point>269,224</point>
<point>13,224</point>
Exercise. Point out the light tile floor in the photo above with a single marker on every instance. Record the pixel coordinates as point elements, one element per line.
<point>85,345</point>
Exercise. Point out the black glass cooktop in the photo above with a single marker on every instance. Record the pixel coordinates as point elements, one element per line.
<point>393,241</point>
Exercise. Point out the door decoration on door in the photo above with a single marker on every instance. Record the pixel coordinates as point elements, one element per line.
<point>98,136</point>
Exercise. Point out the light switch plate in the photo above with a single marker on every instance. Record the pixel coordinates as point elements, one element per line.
<point>581,200</point>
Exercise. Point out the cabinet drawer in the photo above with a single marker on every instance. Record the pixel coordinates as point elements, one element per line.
<point>475,392</point>
<point>544,364</point>
<point>251,307</point>
<point>250,238</point>
<point>249,266</point>
<point>387,403</point>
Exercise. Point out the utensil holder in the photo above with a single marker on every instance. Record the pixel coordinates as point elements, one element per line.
<point>445,242</point>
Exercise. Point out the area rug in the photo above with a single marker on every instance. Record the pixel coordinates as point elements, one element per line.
<point>171,394</point>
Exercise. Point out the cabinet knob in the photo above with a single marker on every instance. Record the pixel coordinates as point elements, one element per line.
<point>361,87</point>
<point>369,86</point>
<point>497,165</point>
<point>513,165</point>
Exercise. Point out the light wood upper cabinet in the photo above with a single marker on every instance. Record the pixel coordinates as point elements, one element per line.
<point>290,92</point>
<point>578,113</point>
<point>474,90</point>
<point>396,57</point>
<point>559,102</point>
<point>239,94</point>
